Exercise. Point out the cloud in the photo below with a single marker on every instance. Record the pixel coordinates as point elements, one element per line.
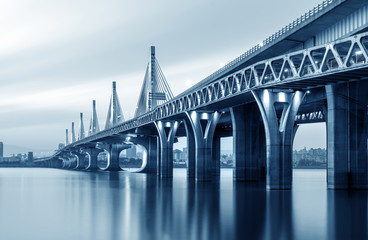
<point>56,56</point>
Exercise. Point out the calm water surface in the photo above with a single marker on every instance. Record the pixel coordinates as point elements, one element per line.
<point>59,204</point>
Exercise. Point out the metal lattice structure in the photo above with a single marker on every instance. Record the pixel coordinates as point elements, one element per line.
<point>293,26</point>
<point>302,69</point>
<point>311,117</point>
<point>341,60</point>
<point>155,89</point>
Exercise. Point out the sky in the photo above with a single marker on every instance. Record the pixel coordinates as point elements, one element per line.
<point>57,56</point>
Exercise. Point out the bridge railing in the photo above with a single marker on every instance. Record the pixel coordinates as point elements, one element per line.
<point>277,35</point>
<point>348,53</point>
<point>343,54</point>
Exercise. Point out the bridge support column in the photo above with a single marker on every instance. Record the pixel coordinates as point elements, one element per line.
<point>152,155</point>
<point>166,131</point>
<point>93,153</point>
<point>216,156</point>
<point>347,132</point>
<point>248,142</point>
<point>63,162</point>
<point>204,124</point>
<point>278,110</point>
<point>80,160</point>
<point>73,161</point>
<point>67,162</point>
<point>114,150</point>
<point>151,145</point>
<point>191,149</point>
<point>55,163</point>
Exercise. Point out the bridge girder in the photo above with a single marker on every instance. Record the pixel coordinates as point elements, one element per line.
<point>342,60</point>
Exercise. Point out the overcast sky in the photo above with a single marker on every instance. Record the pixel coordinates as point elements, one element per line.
<point>57,56</point>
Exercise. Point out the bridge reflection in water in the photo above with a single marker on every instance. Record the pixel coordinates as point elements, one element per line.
<point>57,204</point>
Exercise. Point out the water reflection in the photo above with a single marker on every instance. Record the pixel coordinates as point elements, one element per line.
<point>59,204</point>
<point>347,215</point>
<point>250,210</point>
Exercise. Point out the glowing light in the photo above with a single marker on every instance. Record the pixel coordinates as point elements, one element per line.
<point>193,115</point>
<point>266,97</point>
<point>358,52</point>
<point>204,115</point>
<point>282,97</point>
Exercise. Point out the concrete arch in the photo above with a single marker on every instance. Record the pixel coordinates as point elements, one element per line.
<point>144,157</point>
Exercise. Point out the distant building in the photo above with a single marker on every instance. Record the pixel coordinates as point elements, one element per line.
<point>184,154</point>
<point>180,156</point>
<point>61,145</point>
<point>30,157</point>
<point>176,156</point>
<point>131,152</point>
<point>13,159</point>
<point>140,155</point>
<point>310,158</point>
<point>1,150</point>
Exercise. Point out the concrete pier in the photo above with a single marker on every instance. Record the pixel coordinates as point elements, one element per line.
<point>80,160</point>
<point>152,155</point>
<point>216,156</point>
<point>93,153</point>
<point>191,149</point>
<point>166,131</point>
<point>114,152</point>
<point>204,125</point>
<point>278,110</point>
<point>347,135</point>
<point>248,142</point>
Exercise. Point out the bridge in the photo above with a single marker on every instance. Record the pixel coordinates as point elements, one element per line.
<point>315,69</point>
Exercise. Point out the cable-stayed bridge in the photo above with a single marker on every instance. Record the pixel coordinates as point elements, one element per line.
<point>313,70</point>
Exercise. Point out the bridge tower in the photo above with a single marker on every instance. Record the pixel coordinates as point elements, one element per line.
<point>114,114</point>
<point>66,137</point>
<point>73,133</point>
<point>81,134</point>
<point>155,89</point>
<point>94,126</point>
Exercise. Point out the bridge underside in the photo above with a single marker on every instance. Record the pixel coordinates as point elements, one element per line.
<point>260,106</point>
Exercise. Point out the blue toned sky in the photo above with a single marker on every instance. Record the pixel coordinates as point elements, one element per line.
<point>57,56</point>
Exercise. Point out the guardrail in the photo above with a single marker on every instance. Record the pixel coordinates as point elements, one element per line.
<point>277,35</point>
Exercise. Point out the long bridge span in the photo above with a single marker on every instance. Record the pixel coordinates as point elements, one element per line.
<point>313,70</point>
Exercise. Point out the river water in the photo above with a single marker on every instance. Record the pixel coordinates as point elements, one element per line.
<point>59,204</point>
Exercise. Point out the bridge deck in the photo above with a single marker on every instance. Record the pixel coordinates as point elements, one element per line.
<point>339,61</point>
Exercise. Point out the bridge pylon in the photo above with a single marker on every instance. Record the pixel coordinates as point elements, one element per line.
<point>81,134</point>
<point>66,137</point>
<point>94,126</point>
<point>73,134</point>
<point>115,113</point>
<point>155,89</point>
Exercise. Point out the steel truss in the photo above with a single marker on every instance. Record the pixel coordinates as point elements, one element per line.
<point>316,66</point>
